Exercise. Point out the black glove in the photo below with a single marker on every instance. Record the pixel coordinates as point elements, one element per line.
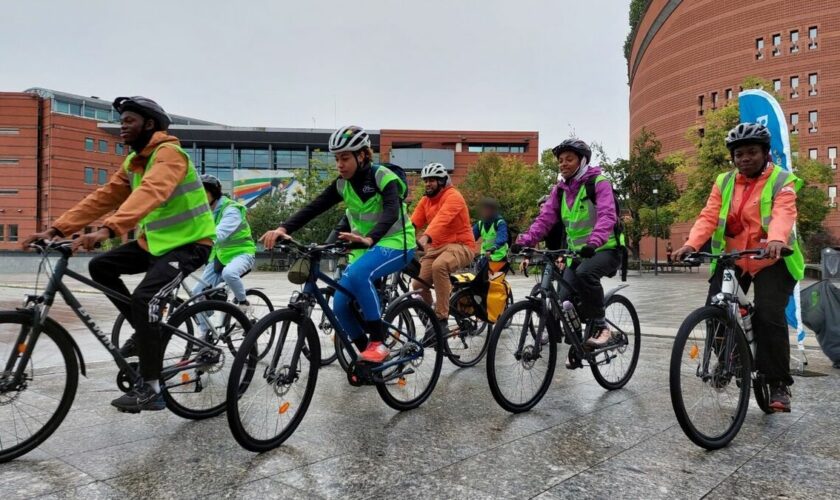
<point>587,252</point>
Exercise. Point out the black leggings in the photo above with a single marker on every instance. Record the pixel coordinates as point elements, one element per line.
<point>585,278</point>
<point>773,286</point>
<point>163,274</point>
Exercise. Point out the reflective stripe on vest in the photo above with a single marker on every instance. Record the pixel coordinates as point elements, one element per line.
<point>778,179</point>
<point>364,215</point>
<point>240,241</point>
<point>488,241</point>
<point>183,218</point>
<point>581,219</point>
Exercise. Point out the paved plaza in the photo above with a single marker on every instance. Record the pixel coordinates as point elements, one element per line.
<point>579,442</point>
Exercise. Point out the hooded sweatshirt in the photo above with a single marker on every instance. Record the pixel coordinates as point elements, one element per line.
<point>550,213</point>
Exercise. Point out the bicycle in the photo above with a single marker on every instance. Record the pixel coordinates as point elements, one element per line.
<point>714,352</point>
<point>266,409</point>
<point>519,341</point>
<point>260,306</point>
<point>37,386</point>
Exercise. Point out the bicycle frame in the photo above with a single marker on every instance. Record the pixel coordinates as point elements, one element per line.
<point>46,300</point>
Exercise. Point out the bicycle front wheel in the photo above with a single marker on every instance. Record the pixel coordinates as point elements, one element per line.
<point>32,407</point>
<point>268,398</point>
<point>407,385</point>
<point>195,375</point>
<point>519,370</point>
<point>614,366</point>
<point>710,378</point>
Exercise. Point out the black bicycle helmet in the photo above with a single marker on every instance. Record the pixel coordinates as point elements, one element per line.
<point>576,146</point>
<point>748,133</point>
<point>211,183</point>
<point>146,108</point>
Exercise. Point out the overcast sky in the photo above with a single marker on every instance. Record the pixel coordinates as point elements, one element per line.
<point>554,66</point>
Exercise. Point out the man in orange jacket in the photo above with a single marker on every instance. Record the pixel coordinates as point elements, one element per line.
<point>743,228</point>
<point>447,242</point>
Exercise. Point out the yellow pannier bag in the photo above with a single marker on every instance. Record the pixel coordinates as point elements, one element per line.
<point>497,296</point>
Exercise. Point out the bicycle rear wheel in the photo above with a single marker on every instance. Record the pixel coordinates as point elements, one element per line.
<point>268,398</point>
<point>614,367</point>
<point>518,370</point>
<point>32,409</point>
<point>411,383</point>
<point>466,344</point>
<point>710,378</point>
<point>195,376</point>
<point>260,306</point>
<point>330,346</point>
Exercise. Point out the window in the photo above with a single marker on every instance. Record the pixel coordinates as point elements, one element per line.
<point>794,86</point>
<point>103,146</point>
<point>700,99</point>
<point>6,192</point>
<point>794,41</point>
<point>832,196</point>
<point>777,45</point>
<point>119,148</point>
<point>777,85</point>
<point>13,232</point>
<point>812,82</point>
<point>812,37</point>
<point>813,153</point>
<point>728,94</point>
<point>832,156</point>
<point>2,231</point>
<point>794,123</point>
<point>88,175</point>
<point>253,158</point>
<point>759,48</point>
<point>8,161</point>
<point>88,143</point>
<point>496,148</point>
<point>9,131</point>
<point>714,100</point>
<point>813,117</point>
<point>103,176</point>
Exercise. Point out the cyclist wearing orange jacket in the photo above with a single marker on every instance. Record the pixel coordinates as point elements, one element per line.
<point>447,242</point>
<point>755,207</point>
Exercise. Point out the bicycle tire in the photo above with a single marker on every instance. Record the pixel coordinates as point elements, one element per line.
<point>253,292</point>
<point>533,309</point>
<point>239,383</point>
<point>702,315</point>
<point>426,315</point>
<point>326,357</point>
<point>65,347</point>
<point>762,394</point>
<point>634,356</point>
<point>174,403</point>
<point>482,330</point>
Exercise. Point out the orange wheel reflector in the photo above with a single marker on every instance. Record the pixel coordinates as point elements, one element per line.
<point>283,408</point>
<point>22,347</point>
<point>401,381</point>
<point>693,352</point>
<point>185,377</point>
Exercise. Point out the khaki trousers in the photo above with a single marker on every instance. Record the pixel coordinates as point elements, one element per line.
<point>436,265</point>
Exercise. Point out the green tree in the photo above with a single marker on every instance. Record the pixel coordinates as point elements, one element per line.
<point>515,184</point>
<point>713,158</point>
<point>636,12</point>
<point>634,180</point>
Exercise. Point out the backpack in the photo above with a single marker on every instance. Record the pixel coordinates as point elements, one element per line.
<point>618,229</point>
<point>399,172</point>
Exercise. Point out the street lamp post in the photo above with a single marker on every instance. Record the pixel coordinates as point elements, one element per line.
<point>656,178</point>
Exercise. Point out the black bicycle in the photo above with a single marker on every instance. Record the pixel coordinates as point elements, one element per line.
<point>269,399</point>
<point>523,345</point>
<point>41,361</point>
<point>712,361</point>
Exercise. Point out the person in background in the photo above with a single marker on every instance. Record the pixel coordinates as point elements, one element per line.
<point>493,232</point>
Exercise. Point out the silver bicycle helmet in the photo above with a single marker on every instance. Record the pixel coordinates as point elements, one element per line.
<point>350,138</point>
<point>748,133</point>
<point>436,170</point>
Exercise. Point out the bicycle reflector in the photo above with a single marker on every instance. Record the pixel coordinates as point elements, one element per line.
<point>283,408</point>
<point>693,352</point>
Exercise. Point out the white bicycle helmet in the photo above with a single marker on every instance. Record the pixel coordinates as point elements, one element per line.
<point>748,133</point>
<point>350,138</point>
<point>436,170</point>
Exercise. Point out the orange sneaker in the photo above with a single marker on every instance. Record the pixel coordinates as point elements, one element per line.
<point>376,352</point>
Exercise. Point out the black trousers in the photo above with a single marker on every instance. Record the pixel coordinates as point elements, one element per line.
<point>773,286</point>
<point>163,274</point>
<point>585,277</point>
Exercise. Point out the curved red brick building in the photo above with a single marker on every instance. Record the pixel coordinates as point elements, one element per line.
<point>690,56</point>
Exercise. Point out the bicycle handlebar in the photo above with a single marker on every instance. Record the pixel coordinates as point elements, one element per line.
<point>313,248</point>
<point>753,253</point>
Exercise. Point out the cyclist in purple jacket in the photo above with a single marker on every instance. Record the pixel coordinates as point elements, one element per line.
<point>589,226</point>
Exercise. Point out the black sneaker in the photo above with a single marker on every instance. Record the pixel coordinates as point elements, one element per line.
<point>129,347</point>
<point>780,398</point>
<point>140,399</point>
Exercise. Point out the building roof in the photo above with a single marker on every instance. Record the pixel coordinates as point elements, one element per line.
<point>96,102</point>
